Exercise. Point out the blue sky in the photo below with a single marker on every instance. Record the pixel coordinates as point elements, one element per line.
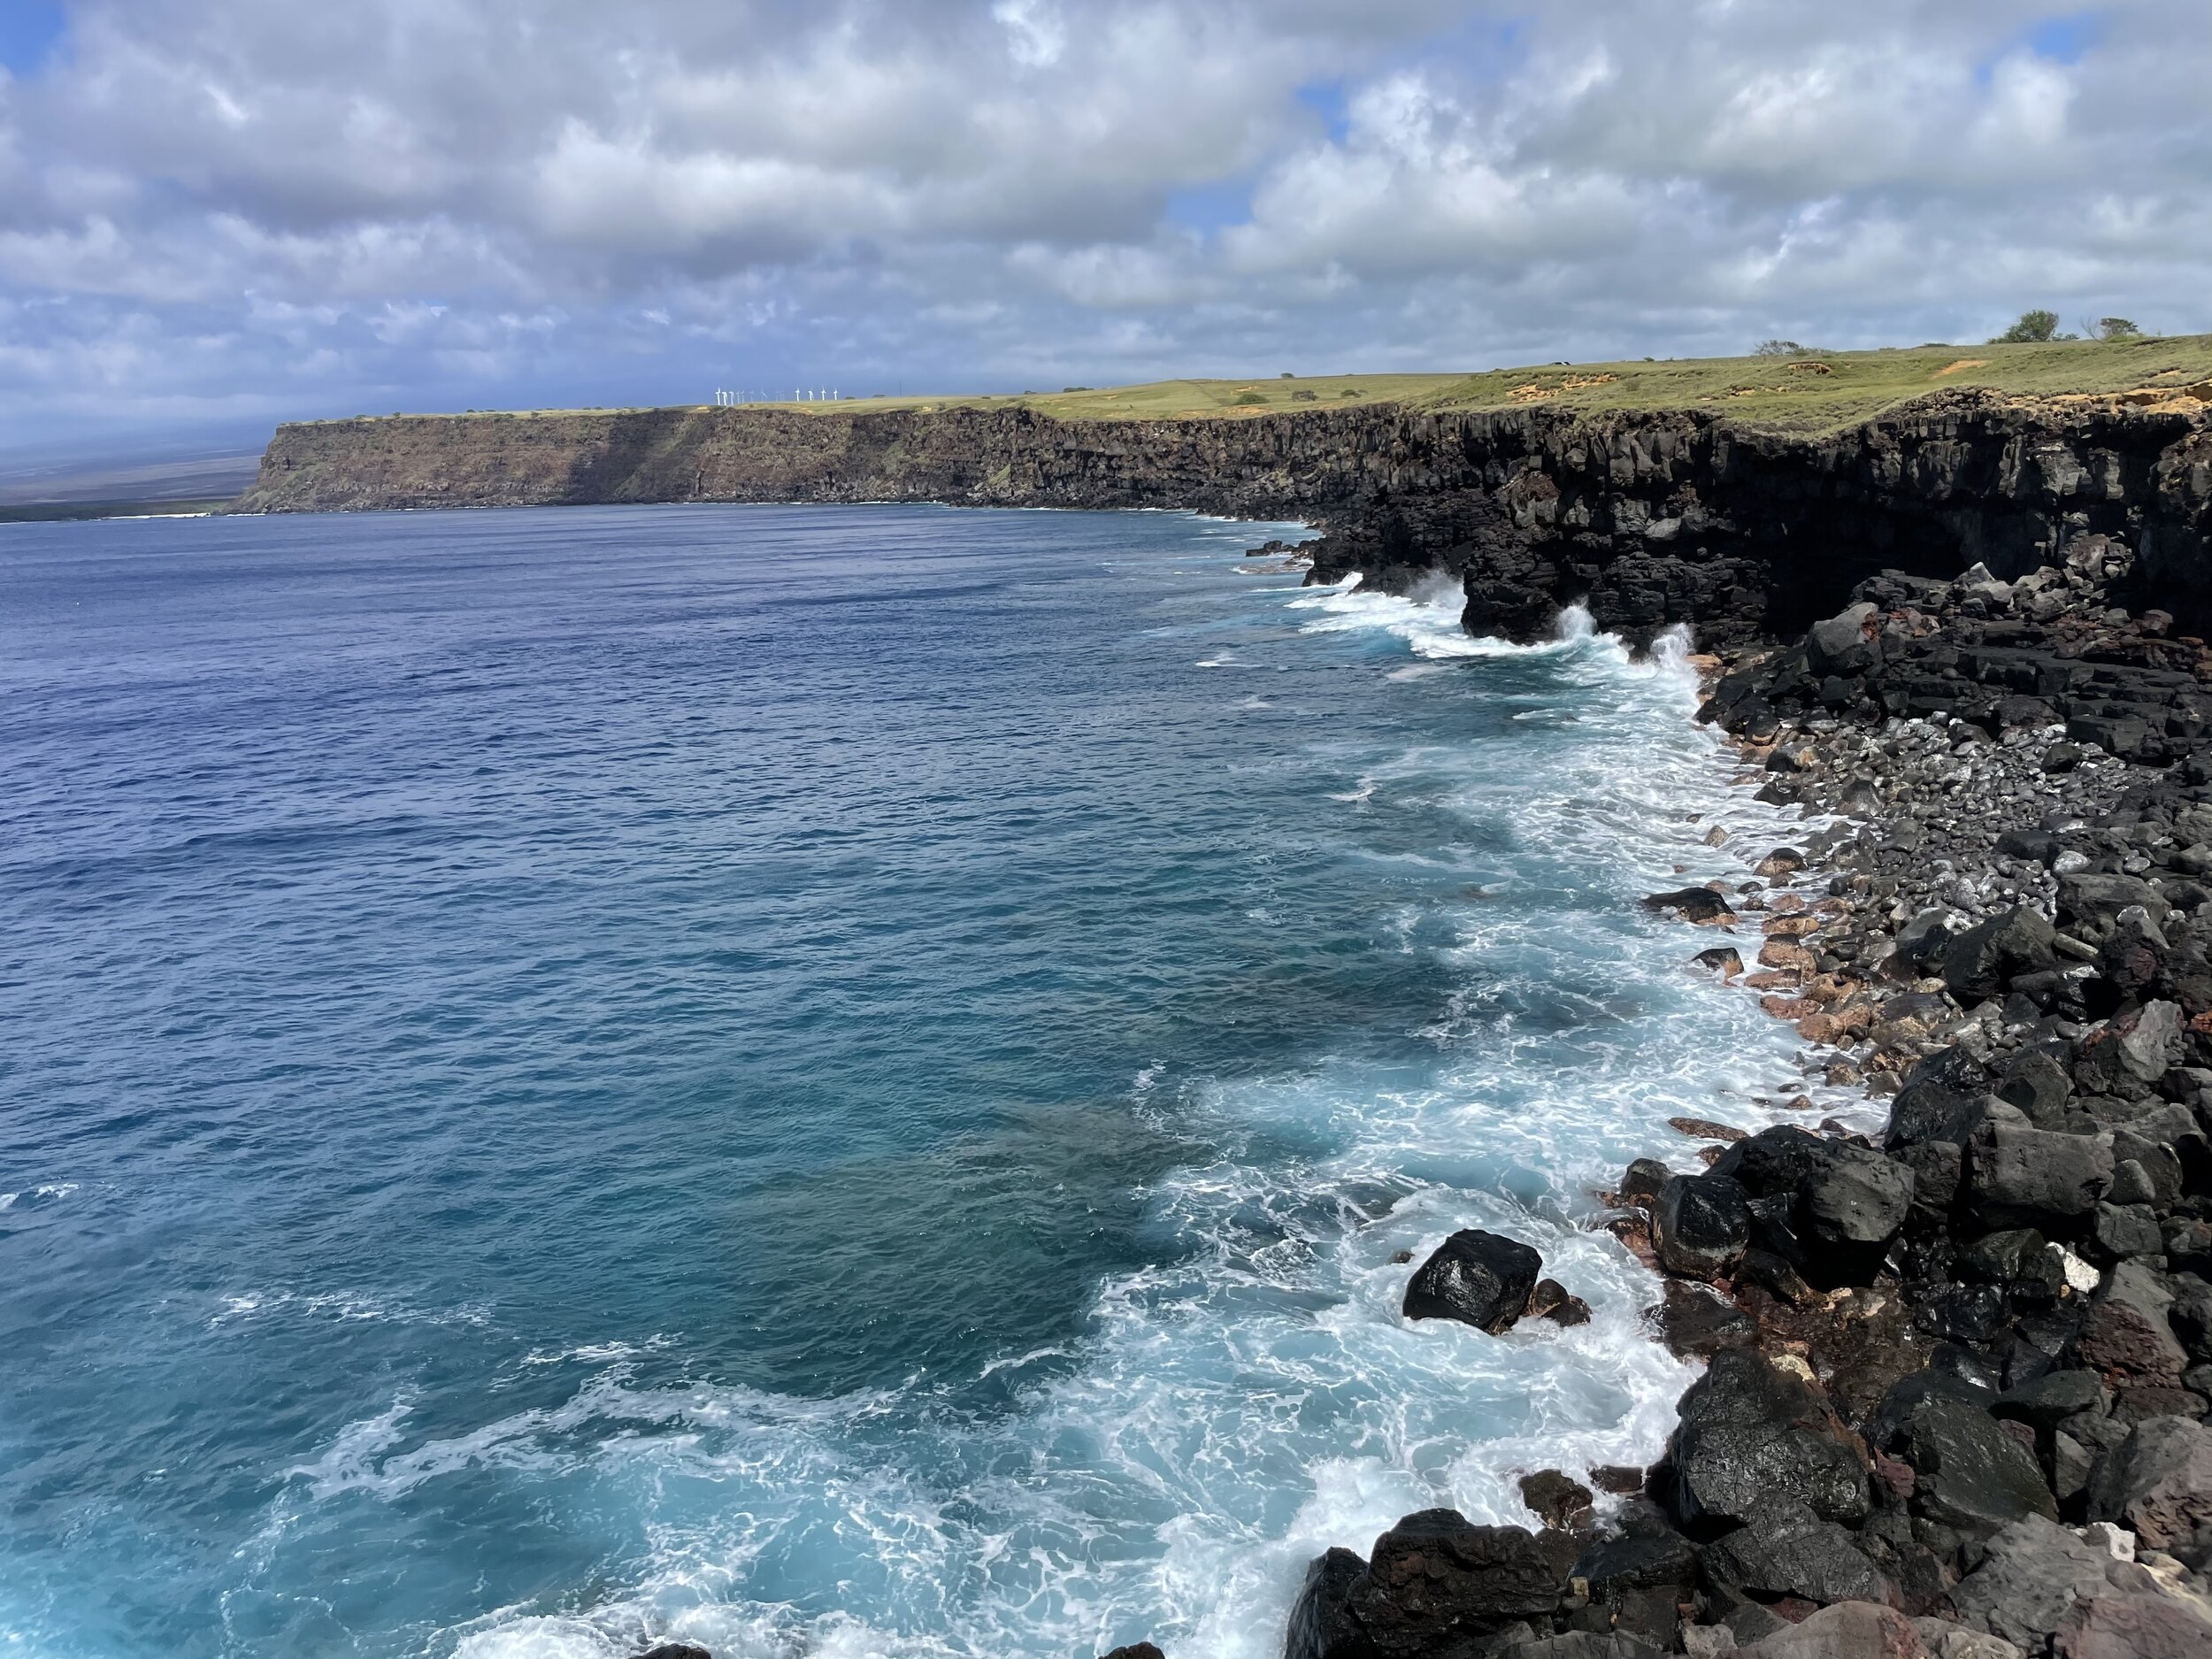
<point>30,32</point>
<point>218,213</point>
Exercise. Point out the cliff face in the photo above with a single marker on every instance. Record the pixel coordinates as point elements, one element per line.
<point>1647,518</point>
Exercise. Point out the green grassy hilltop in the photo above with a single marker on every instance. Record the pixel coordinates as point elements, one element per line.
<point>1810,392</point>
<point>1814,390</point>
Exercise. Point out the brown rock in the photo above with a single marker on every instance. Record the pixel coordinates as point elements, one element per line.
<point>2130,1346</point>
<point>1555,1500</point>
<point>1705,1129</point>
<point>1695,1323</point>
<point>2132,1627</point>
<point>1634,1233</point>
<point>1781,953</point>
<point>1618,1479</point>
<point>1894,1474</point>
<point>1849,1630</point>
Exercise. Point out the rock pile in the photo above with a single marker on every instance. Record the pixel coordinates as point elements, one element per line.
<point>1959,1371</point>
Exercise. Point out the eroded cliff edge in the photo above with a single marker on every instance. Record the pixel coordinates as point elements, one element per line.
<point>1649,518</point>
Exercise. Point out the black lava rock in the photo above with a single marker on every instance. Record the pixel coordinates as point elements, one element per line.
<point>1784,1549</point>
<point>1750,1433</point>
<point>1693,904</point>
<point>1702,1224</point>
<point>1436,1583</point>
<point>1476,1278</point>
<point>1969,1473</point>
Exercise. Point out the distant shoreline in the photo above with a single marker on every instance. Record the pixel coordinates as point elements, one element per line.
<point>87,511</point>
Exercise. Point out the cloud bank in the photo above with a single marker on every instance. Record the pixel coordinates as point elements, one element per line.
<point>235,210</point>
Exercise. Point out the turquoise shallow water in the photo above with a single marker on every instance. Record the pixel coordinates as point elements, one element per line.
<point>827,1081</point>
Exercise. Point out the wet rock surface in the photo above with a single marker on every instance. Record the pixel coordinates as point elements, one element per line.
<point>1479,1278</point>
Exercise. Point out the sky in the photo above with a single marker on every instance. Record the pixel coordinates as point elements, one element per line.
<point>215,214</point>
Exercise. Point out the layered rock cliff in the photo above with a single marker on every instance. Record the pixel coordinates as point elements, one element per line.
<point>1647,518</point>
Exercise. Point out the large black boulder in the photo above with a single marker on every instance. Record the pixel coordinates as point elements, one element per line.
<point>1435,1584</point>
<point>1842,645</point>
<point>1702,1224</point>
<point>1981,962</point>
<point>1841,1204</point>
<point>2037,1085</point>
<point>2050,1398</point>
<point>1321,1622</point>
<point>2020,1176</point>
<point>1749,1433</point>
<point>1969,1473</point>
<point>1935,1113</point>
<point>1849,1208</point>
<point>1772,1161</point>
<point>1476,1278</point>
<point>1641,1580</point>
<point>1784,1549</point>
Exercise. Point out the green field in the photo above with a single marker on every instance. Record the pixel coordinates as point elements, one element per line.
<point>1810,392</point>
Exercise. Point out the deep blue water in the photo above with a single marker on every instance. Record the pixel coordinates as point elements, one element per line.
<point>840,1080</point>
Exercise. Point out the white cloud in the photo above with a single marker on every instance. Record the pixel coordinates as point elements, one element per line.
<point>249,204</point>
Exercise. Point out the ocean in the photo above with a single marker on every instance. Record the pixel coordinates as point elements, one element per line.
<point>830,1080</point>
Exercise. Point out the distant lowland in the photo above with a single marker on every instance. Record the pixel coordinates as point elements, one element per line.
<point>195,482</point>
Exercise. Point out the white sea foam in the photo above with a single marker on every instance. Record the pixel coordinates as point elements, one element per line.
<point>50,1191</point>
<point>1257,1397</point>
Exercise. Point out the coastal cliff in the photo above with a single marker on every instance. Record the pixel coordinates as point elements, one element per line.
<point>1649,518</point>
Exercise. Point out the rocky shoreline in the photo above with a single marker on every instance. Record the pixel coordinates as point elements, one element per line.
<point>1957,1371</point>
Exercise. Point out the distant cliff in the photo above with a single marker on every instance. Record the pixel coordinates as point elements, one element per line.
<point>1647,517</point>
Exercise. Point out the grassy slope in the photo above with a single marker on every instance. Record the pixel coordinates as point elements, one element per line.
<point>1817,392</point>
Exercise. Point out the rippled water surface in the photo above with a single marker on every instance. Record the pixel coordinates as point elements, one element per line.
<point>825,1080</point>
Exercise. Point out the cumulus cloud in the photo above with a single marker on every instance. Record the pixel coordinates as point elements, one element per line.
<point>249,205</point>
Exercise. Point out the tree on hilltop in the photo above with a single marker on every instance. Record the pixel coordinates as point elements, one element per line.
<point>2033,327</point>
